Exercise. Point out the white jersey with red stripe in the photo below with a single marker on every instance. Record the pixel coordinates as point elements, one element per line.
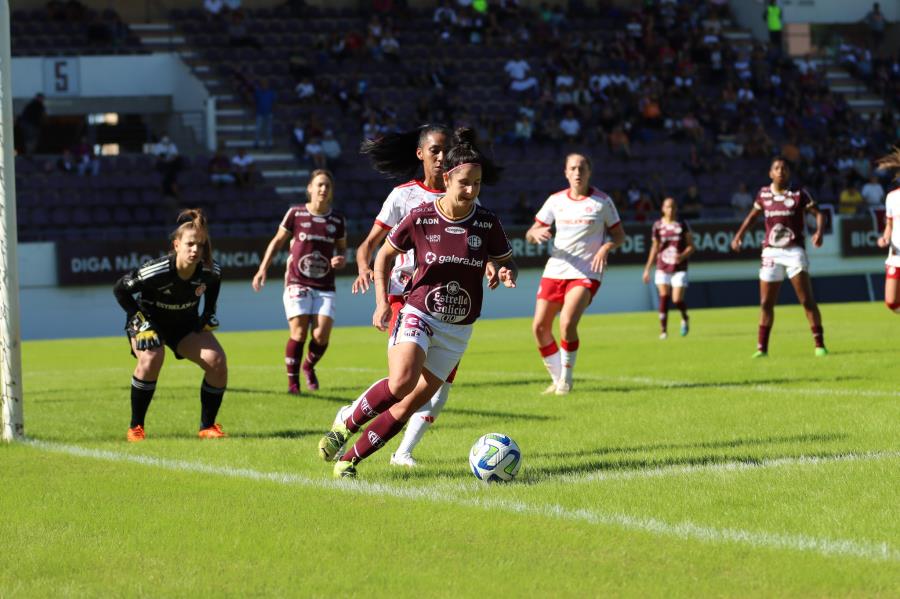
<point>582,226</point>
<point>398,204</point>
<point>892,212</point>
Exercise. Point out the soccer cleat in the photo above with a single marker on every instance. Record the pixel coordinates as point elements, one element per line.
<point>663,335</point>
<point>550,390</point>
<point>685,328</point>
<point>760,354</point>
<point>562,388</point>
<point>312,381</point>
<point>345,469</point>
<point>294,389</point>
<point>821,352</point>
<point>212,432</point>
<point>333,441</point>
<point>135,434</point>
<point>403,459</point>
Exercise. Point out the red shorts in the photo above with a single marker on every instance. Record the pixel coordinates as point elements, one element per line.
<point>554,290</point>
<point>892,272</point>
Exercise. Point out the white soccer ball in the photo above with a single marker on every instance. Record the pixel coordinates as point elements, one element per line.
<point>495,458</point>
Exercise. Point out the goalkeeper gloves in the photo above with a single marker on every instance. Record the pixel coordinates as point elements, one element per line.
<point>208,322</point>
<point>141,330</point>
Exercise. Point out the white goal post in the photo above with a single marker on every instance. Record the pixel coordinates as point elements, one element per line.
<point>11,414</point>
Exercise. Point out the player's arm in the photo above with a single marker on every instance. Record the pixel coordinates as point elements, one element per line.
<point>820,224</point>
<point>689,248</point>
<point>538,233</point>
<point>124,290</point>
<point>651,257</point>
<point>381,274</point>
<point>137,325</point>
<point>751,216</point>
<point>259,279</point>
<point>339,260</point>
<point>885,239</point>
<point>208,319</point>
<point>617,233</point>
<point>364,257</point>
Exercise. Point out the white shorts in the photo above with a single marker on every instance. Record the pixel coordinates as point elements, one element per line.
<point>300,301</point>
<point>673,279</point>
<point>776,262</point>
<point>443,343</point>
<point>893,259</point>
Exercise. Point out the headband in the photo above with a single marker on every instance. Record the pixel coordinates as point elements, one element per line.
<point>462,165</point>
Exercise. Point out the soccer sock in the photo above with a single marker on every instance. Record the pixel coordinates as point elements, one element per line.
<point>141,395</point>
<point>567,358</point>
<point>818,336</point>
<point>422,420</point>
<point>551,357</point>
<point>762,343</point>
<point>210,400</point>
<point>682,306</point>
<point>377,434</point>
<point>377,399</point>
<point>315,353</point>
<point>664,312</point>
<point>292,352</point>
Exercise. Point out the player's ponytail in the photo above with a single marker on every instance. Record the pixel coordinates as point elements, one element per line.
<point>394,154</point>
<point>194,219</point>
<point>891,161</point>
<point>465,151</point>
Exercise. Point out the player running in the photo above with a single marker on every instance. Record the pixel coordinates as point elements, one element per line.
<point>318,242</point>
<point>891,237</point>
<point>672,244</point>
<point>161,300</point>
<point>587,229</point>
<point>784,208</point>
<point>453,238</point>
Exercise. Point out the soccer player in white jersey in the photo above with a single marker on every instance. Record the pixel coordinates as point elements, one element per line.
<point>587,230</point>
<point>891,237</point>
<point>399,156</point>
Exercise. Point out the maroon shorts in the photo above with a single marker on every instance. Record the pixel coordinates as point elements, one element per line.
<point>554,290</point>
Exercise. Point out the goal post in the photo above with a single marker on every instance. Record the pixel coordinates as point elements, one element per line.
<point>11,414</point>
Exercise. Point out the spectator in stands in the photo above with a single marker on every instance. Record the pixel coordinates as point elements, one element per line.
<point>774,23</point>
<point>239,35</point>
<point>741,200</point>
<point>31,123</point>
<point>862,166</point>
<point>219,169</point>
<point>214,8</point>
<point>523,131</point>
<point>306,89</point>
<point>315,153</point>
<point>876,23</point>
<point>169,163</point>
<point>690,204</point>
<point>84,156</point>
<point>644,207</point>
<point>850,199</point>
<point>66,162</point>
<point>264,97</point>
<point>619,143</point>
<point>331,147</point>
<point>570,127</point>
<point>518,69</point>
<point>872,192</point>
<point>390,47</point>
<point>444,15</point>
<point>242,167</point>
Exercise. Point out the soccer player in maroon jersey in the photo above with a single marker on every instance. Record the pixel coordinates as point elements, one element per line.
<point>890,238</point>
<point>587,229</point>
<point>161,300</point>
<point>784,208</point>
<point>672,244</point>
<point>318,241</point>
<point>453,239</point>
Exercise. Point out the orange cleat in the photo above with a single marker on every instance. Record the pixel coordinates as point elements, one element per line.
<point>135,434</point>
<point>212,432</point>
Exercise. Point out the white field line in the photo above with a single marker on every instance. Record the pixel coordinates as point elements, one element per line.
<point>478,496</point>
<point>724,467</point>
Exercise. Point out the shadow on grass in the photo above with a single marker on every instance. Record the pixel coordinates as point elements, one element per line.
<point>592,385</point>
<point>304,395</point>
<point>496,414</point>
<point>285,434</point>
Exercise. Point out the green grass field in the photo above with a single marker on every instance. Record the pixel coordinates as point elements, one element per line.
<point>675,468</point>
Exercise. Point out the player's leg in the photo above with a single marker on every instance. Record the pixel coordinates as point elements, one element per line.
<point>803,287</point>
<point>143,385</point>
<point>545,310</point>
<point>768,296</point>
<point>665,292</point>
<point>298,327</point>
<point>204,350</point>
<point>420,422</point>
<point>892,289</point>
<point>577,300</point>
<point>322,323</point>
<point>679,289</point>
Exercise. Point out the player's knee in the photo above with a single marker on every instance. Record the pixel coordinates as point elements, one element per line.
<point>402,383</point>
<point>216,363</point>
<point>151,360</point>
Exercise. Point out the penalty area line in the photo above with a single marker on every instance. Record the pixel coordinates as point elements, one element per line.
<point>478,496</point>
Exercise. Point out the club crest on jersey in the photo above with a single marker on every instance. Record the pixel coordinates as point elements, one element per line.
<point>430,257</point>
<point>330,228</point>
<point>200,289</point>
<point>455,230</point>
<point>474,241</point>
<point>789,202</point>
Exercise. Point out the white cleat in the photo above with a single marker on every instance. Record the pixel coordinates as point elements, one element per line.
<point>342,414</point>
<point>550,390</point>
<point>403,459</point>
<point>562,388</point>
<point>663,335</point>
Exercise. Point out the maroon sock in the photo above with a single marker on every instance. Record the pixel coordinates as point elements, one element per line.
<point>377,434</point>
<point>377,399</point>
<point>818,336</point>
<point>664,312</point>
<point>292,352</point>
<point>315,352</point>
<point>682,305</point>
<point>762,343</point>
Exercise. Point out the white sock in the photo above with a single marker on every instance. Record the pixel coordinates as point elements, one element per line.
<point>567,361</point>
<point>422,420</point>
<point>553,363</point>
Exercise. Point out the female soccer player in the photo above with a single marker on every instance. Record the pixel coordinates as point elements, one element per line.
<point>672,244</point>
<point>453,238</point>
<point>784,208</point>
<point>318,242</point>
<point>891,238</point>
<point>398,155</point>
<point>587,229</point>
<point>161,300</point>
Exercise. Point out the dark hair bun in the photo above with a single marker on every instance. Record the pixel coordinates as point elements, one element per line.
<point>465,135</point>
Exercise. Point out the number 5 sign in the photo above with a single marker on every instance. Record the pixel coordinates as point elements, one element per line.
<point>62,76</point>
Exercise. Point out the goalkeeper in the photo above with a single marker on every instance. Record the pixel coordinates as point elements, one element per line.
<point>161,300</point>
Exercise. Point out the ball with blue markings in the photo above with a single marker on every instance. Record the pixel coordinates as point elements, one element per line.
<point>495,458</point>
